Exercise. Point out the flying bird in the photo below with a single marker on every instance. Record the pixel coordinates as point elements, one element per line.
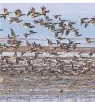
<point>56,16</point>
<point>27,25</point>
<point>18,13</point>
<point>44,11</point>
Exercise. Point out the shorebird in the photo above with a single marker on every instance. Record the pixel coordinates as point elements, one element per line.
<point>44,11</point>
<point>5,13</point>
<point>29,47</point>
<point>58,42</point>
<point>41,21</point>
<point>86,23</point>
<point>13,35</point>
<point>14,19</point>
<point>27,25</point>
<point>26,34</point>
<point>18,13</point>
<point>56,16</point>
<point>88,40</point>
<point>91,53</point>
<point>93,21</point>
<point>61,30</point>
<point>52,27</point>
<point>75,45</point>
<point>33,13</point>
<point>31,32</point>
<point>67,31</point>
<point>82,20</point>
<point>60,38</point>
<point>70,24</point>
<point>36,21</point>
<point>50,42</point>
<point>77,33</point>
<point>47,18</point>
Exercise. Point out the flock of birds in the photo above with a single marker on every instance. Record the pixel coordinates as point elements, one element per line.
<point>44,62</point>
<point>76,64</point>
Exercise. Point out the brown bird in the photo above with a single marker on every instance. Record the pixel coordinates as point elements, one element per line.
<point>18,13</point>
<point>32,11</point>
<point>5,13</point>
<point>86,23</point>
<point>88,40</point>
<point>83,20</point>
<point>49,42</point>
<point>44,11</point>
<point>13,33</point>
<point>14,19</point>
<point>27,25</point>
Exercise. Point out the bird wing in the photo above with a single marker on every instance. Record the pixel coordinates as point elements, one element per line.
<point>32,10</point>
<point>12,32</point>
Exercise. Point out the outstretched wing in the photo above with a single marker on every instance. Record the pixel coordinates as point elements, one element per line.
<point>12,32</point>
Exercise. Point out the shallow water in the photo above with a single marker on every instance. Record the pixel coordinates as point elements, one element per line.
<point>43,89</point>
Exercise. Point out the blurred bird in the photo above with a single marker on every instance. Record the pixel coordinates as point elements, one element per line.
<point>67,31</point>
<point>18,13</point>
<point>50,42</point>
<point>14,19</point>
<point>56,16</point>
<point>28,25</point>
<point>32,11</point>
<point>5,13</point>
<point>31,32</point>
<point>47,18</point>
<point>88,40</point>
<point>44,11</point>
<point>86,23</point>
<point>60,38</point>
<point>82,20</point>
